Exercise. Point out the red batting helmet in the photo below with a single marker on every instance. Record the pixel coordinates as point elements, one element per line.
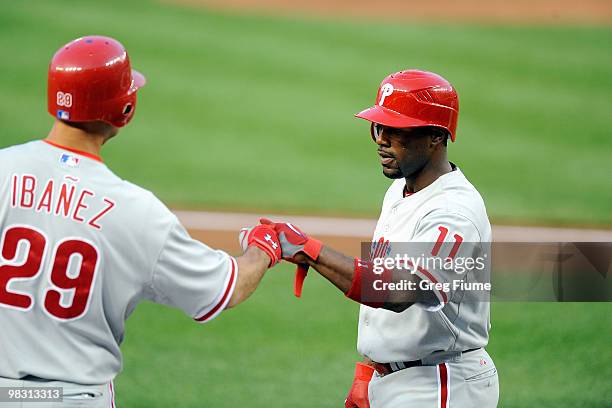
<point>91,79</point>
<point>415,98</point>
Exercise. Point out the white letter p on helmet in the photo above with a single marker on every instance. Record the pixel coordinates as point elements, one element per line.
<point>386,90</point>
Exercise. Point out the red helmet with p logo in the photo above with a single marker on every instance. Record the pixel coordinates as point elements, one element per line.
<point>91,79</point>
<point>415,98</point>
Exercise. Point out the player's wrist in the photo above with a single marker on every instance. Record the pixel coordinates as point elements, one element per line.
<point>362,289</point>
<point>311,259</point>
<point>258,256</point>
<point>363,371</point>
<point>265,239</point>
<point>312,249</point>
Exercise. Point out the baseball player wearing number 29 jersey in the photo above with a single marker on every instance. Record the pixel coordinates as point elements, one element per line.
<point>423,345</point>
<point>80,248</point>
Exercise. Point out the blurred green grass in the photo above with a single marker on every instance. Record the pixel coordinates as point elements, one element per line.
<point>275,351</point>
<point>255,112</point>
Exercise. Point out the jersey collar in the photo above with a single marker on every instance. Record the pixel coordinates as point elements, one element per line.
<point>76,151</point>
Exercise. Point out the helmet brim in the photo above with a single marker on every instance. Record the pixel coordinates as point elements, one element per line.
<point>387,117</point>
<point>139,80</point>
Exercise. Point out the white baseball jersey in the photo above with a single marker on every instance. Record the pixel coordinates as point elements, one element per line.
<point>448,214</point>
<point>80,248</point>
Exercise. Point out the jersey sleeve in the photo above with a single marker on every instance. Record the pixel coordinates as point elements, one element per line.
<point>192,277</point>
<point>453,253</point>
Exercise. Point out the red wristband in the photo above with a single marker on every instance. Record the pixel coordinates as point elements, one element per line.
<point>354,291</point>
<point>363,290</point>
<point>264,237</point>
<point>312,248</point>
<point>363,371</point>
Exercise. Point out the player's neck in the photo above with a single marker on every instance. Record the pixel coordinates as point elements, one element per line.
<point>430,173</point>
<point>76,138</point>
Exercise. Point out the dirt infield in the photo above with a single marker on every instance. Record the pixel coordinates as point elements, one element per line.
<point>220,230</point>
<point>513,11</point>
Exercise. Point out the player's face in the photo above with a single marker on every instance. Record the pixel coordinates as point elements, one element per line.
<point>403,152</point>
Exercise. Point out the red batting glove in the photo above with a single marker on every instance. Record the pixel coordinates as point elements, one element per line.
<point>358,395</point>
<point>263,237</point>
<point>294,241</point>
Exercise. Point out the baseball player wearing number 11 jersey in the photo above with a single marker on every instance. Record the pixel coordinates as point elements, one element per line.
<point>80,248</point>
<point>422,334</point>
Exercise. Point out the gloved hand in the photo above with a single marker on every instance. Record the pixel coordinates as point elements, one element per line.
<point>263,237</point>
<point>358,395</point>
<point>294,242</point>
<point>296,245</point>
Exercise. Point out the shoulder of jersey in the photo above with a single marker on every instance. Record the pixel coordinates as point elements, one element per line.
<point>458,196</point>
<point>16,153</point>
<point>11,151</point>
<point>140,193</point>
<point>453,194</point>
<point>142,201</point>
<point>462,190</point>
<point>22,152</point>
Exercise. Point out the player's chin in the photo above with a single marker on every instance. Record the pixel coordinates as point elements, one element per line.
<point>392,173</point>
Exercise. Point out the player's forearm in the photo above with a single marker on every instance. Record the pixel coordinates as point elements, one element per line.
<point>252,266</point>
<point>348,274</point>
<point>339,269</point>
<point>335,267</point>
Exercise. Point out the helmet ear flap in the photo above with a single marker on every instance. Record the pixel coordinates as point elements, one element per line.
<point>123,110</point>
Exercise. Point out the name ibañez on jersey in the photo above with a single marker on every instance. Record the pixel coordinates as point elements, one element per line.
<point>60,198</point>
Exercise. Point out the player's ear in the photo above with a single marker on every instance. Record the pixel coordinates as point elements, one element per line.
<point>438,137</point>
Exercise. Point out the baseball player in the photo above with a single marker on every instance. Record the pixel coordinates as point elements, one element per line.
<point>423,344</point>
<point>80,247</point>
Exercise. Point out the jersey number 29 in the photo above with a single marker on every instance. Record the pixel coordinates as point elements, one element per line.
<point>61,281</point>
